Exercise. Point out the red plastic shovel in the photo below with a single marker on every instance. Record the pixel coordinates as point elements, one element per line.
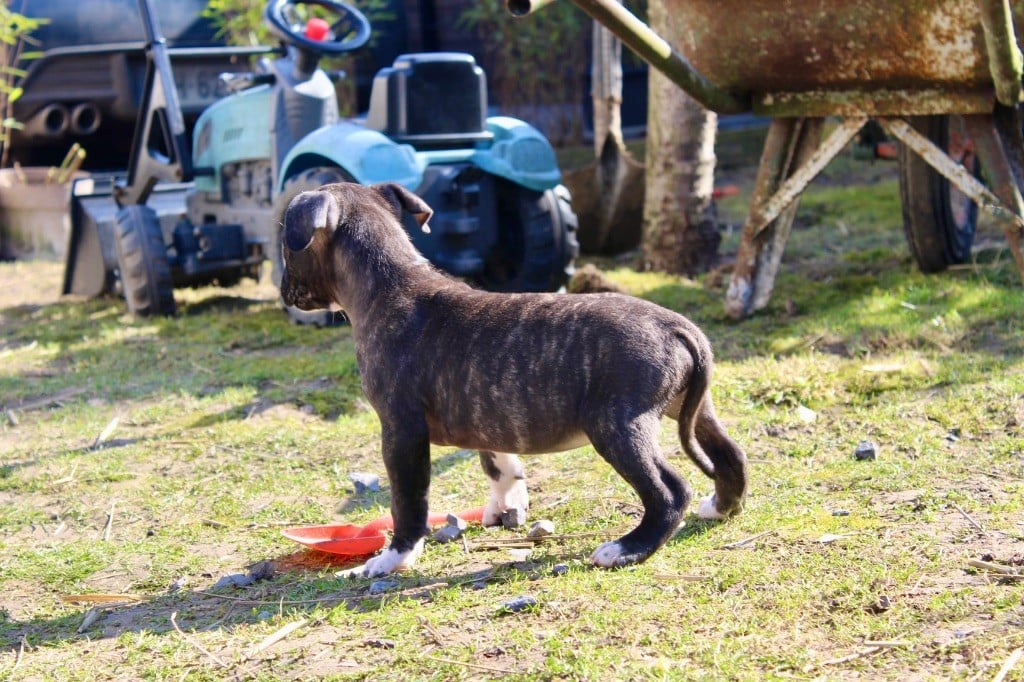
<point>355,541</point>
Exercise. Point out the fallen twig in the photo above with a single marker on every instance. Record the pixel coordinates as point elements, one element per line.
<point>199,647</point>
<point>69,478</point>
<point>275,602</point>
<point>477,666</point>
<point>56,398</point>
<point>557,503</point>
<point>684,578</point>
<point>275,637</point>
<point>91,616</point>
<point>1002,569</point>
<point>431,630</point>
<point>747,541</point>
<point>529,543</point>
<point>974,524</point>
<point>887,644</point>
<point>854,656</point>
<point>101,598</point>
<point>1008,665</point>
<point>21,654</point>
<point>107,431</point>
<point>110,522</point>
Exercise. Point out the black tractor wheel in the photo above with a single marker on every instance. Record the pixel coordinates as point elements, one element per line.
<point>143,269</point>
<point>939,220</point>
<point>537,243</point>
<point>307,181</point>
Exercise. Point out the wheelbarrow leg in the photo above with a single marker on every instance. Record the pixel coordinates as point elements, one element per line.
<point>1001,156</point>
<point>789,144</point>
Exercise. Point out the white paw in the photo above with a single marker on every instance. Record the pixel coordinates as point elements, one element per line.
<point>391,561</point>
<point>514,496</point>
<point>492,513</point>
<point>607,555</point>
<point>708,511</point>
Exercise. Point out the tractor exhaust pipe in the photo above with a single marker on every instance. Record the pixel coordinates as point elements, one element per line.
<point>85,119</point>
<point>52,120</point>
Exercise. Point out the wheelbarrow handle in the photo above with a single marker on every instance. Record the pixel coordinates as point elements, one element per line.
<point>652,48</point>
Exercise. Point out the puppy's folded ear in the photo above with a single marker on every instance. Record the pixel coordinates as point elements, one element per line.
<point>307,213</point>
<point>400,199</point>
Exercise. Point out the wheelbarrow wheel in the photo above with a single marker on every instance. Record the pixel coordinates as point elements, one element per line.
<point>143,270</point>
<point>307,181</point>
<point>537,244</point>
<point>939,220</point>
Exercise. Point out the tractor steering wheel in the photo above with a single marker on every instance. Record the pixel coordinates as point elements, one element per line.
<point>347,32</point>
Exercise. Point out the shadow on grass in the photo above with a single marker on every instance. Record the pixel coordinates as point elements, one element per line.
<point>208,609</point>
<point>223,303</point>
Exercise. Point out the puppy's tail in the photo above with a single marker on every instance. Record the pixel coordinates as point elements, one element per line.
<point>693,399</point>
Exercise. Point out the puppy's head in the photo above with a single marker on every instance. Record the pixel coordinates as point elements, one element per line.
<point>318,225</point>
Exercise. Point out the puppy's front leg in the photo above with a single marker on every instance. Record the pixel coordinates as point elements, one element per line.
<point>507,479</point>
<point>407,460</point>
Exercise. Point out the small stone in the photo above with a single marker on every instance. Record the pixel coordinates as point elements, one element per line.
<point>806,414</point>
<point>881,605</point>
<point>519,604</point>
<point>263,570</point>
<point>559,569</point>
<point>840,512</point>
<point>456,522</point>
<point>178,584</point>
<point>541,529</point>
<point>513,517</point>
<point>382,586</point>
<point>866,451</point>
<point>447,534</point>
<point>520,553</point>
<point>365,483</point>
<point>233,580</point>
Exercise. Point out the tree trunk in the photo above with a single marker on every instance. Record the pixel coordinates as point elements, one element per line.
<point>606,87</point>
<point>607,195</point>
<point>680,231</point>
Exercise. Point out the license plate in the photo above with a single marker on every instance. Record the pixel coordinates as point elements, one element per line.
<point>199,85</point>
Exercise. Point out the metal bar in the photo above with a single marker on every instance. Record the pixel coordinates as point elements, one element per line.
<point>1005,62</point>
<point>952,171</point>
<point>652,48</point>
<point>795,184</point>
<point>995,152</point>
<point>520,8</point>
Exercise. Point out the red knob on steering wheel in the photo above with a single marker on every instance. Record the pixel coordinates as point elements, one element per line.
<point>348,31</point>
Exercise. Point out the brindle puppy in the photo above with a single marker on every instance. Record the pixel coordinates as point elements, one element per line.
<point>527,373</point>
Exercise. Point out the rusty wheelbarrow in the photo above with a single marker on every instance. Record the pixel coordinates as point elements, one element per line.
<point>943,77</point>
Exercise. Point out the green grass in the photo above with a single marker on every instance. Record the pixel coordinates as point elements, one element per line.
<point>232,423</point>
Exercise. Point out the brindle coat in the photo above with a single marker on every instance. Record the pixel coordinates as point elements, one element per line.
<point>444,363</point>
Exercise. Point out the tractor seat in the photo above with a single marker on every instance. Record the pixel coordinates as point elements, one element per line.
<point>431,100</point>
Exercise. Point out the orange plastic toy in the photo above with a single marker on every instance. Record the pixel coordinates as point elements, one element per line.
<point>356,541</point>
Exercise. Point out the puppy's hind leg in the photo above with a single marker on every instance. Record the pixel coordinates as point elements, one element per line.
<point>507,479</point>
<point>631,447</point>
<point>729,461</point>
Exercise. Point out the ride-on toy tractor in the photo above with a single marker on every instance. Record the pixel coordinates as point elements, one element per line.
<point>501,219</point>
